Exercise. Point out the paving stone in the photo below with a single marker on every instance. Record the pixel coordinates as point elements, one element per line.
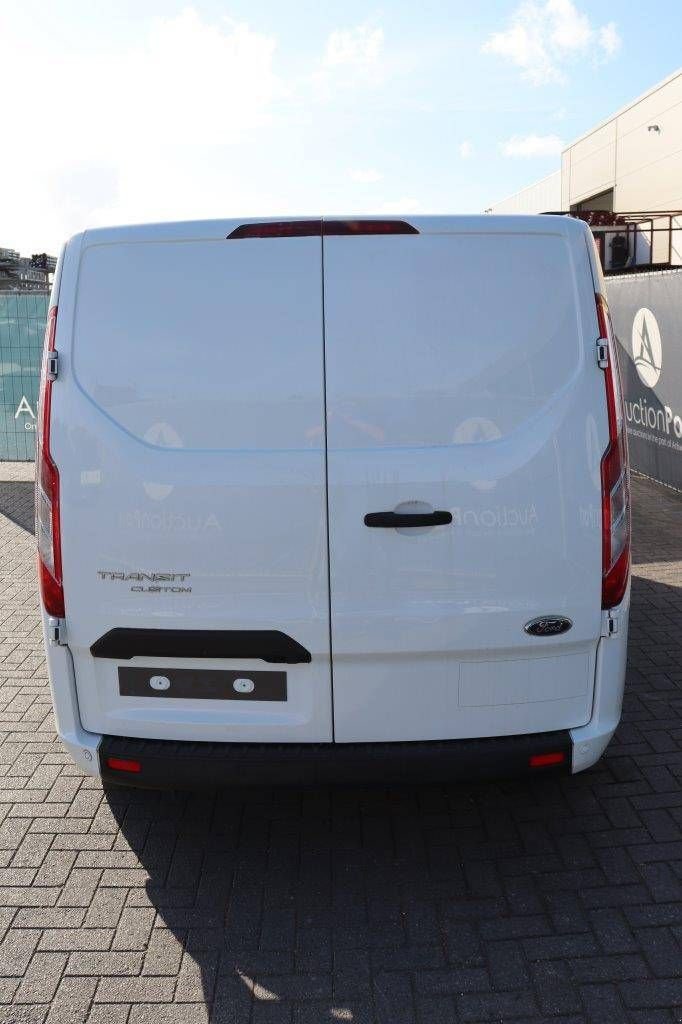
<point>516,900</point>
<point>72,1001</point>
<point>101,964</point>
<point>16,951</point>
<point>41,978</point>
<point>135,990</point>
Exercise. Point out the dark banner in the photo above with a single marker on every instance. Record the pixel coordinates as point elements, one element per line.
<point>22,325</point>
<point>647,314</point>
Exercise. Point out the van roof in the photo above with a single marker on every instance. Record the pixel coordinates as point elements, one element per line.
<point>219,229</point>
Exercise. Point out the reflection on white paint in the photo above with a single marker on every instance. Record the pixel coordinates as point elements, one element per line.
<point>594,452</point>
<point>91,477</point>
<point>163,435</point>
<point>477,430</point>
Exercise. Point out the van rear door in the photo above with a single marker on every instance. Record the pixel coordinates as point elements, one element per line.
<point>188,428</point>
<point>462,380</point>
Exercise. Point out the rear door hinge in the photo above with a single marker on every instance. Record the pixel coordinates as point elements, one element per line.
<point>602,353</point>
<point>52,365</point>
<point>56,632</point>
<point>609,623</point>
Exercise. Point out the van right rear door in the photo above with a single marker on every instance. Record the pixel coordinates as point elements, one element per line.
<point>462,379</point>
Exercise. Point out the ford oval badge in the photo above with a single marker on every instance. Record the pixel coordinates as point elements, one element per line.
<point>548,625</point>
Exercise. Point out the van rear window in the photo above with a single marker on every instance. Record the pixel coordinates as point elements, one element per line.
<point>447,338</point>
<point>204,344</point>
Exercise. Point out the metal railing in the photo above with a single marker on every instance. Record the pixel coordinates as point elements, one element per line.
<point>630,241</point>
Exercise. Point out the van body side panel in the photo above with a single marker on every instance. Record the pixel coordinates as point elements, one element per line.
<point>188,428</point>
<point>461,377</point>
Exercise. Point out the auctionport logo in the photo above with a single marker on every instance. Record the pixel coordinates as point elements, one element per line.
<point>665,420</point>
<point>646,347</point>
<point>647,352</point>
<point>24,409</point>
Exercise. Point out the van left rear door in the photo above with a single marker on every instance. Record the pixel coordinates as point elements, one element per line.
<point>188,429</point>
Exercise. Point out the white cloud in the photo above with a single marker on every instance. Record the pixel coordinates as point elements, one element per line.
<point>142,122</point>
<point>361,46</point>
<point>353,58</point>
<point>609,39</point>
<point>529,146</point>
<point>181,116</point>
<point>466,149</point>
<point>369,176</point>
<point>542,38</point>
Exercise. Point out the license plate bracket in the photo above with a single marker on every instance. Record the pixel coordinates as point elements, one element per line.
<point>202,684</point>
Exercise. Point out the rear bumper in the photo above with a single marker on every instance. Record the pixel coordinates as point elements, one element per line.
<point>184,765</point>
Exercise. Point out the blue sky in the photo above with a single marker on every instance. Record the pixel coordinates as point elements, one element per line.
<point>155,111</point>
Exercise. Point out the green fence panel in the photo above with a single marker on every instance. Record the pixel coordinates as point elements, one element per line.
<point>22,325</point>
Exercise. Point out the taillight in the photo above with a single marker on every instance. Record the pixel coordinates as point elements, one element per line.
<point>615,480</point>
<point>47,490</point>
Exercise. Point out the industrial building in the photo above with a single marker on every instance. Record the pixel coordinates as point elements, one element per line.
<point>630,166</point>
<point>539,197</point>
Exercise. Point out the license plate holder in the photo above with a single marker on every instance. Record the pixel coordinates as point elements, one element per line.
<point>202,684</point>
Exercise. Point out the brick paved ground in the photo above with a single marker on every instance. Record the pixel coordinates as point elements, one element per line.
<point>523,901</point>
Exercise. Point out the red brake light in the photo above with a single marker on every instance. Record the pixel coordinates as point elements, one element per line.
<point>545,760</point>
<point>278,229</point>
<point>306,228</point>
<point>367,227</point>
<point>614,477</point>
<point>48,533</point>
<point>122,764</point>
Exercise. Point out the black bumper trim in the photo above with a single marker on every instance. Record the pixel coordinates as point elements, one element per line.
<point>172,764</point>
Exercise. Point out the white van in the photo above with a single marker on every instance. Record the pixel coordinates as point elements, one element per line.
<point>332,499</point>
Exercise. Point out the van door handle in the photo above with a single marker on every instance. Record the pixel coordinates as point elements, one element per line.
<point>395,519</point>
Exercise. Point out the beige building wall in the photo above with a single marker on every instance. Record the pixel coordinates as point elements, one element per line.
<point>543,196</point>
<point>590,165</point>
<point>643,167</point>
<point>638,154</point>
